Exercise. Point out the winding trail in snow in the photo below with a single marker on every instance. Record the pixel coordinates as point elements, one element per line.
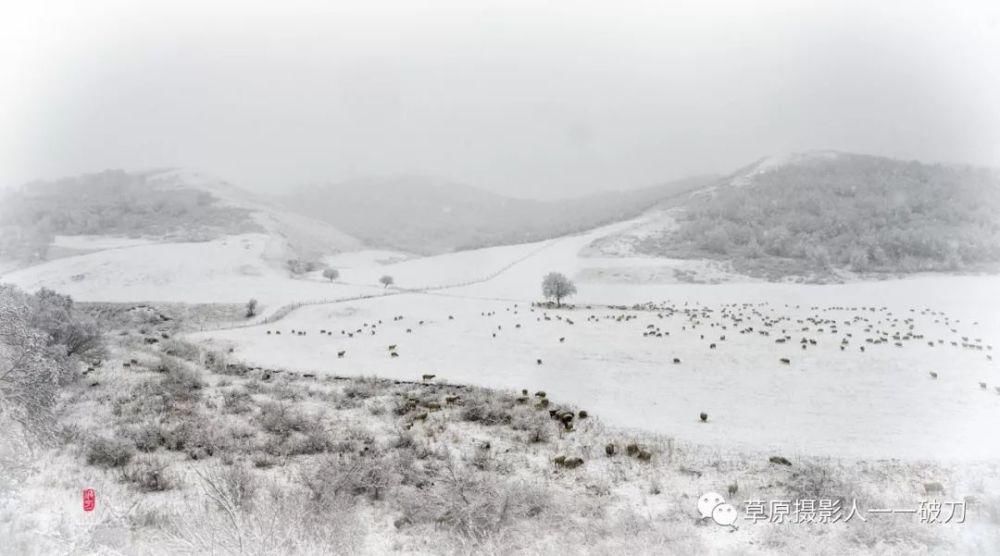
<point>287,309</point>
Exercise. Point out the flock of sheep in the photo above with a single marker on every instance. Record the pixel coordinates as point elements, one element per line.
<point>858,328</point>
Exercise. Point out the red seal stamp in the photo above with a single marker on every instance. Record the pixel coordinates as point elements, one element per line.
<point>89,499</point>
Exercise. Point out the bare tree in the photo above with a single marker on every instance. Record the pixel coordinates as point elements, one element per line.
<point>556,286</point>
<point>251,307</point>
<point>331,274</point>
<point>386,281</point>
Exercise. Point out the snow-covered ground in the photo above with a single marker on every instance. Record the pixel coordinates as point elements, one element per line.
<point>228,270</point>
<point>97,243</point>
<point>880,403</point>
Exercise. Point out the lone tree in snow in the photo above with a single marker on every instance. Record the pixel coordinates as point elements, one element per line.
<point>251,307</point>
<point>557,286</point>
<point>331,274</point>
<point>386,281</point>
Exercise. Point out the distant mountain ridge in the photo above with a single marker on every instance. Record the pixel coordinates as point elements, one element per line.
<point>425,216</point>
<point>800,213</point>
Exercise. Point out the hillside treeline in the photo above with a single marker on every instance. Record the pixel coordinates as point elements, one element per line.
<point>113,202</point>
<point>863,213</point>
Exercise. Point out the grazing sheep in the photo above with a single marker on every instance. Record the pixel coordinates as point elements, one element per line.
<point>786,361</point>
<point>583,414</point>
<point>933,374</point>
<point>677,360</point>
<point>733,488</point>
<point>568,463</point>
<point>935,487</point>
<point>704,417</point>
<point>540,394</point>
<point>428,377</point>
<point>563,339</point>
<point>711,346</point>
<point>394,354</point>
<point>982,385</point>
<point>609,449</point>
<point>392,347</point>
<point>539,361</point>
<point>779,460</point>
<point>340,354</point>
<point>644,455</point>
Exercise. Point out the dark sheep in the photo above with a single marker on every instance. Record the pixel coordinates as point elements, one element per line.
<point>340,354</point>
<point>704,417</point>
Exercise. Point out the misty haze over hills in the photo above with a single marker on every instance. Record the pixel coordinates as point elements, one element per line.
<point>468,277</point>
<point>424,216</point>
<point>799,213</point>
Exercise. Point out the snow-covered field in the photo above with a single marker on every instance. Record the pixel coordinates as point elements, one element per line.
<point>879,403</point>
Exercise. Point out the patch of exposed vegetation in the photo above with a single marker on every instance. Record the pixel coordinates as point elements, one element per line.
<point>860,213</point>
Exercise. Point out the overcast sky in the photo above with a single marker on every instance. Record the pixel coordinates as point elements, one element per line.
<point>527,98</point>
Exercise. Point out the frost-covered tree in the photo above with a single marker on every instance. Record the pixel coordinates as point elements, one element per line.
<point>331,274</point>
<point>386,281</point>
<point>32,367</point>
<point>54,315</point>
<point>556,286</point>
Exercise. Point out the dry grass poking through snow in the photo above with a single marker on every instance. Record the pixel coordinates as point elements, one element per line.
<point>192,454</point>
